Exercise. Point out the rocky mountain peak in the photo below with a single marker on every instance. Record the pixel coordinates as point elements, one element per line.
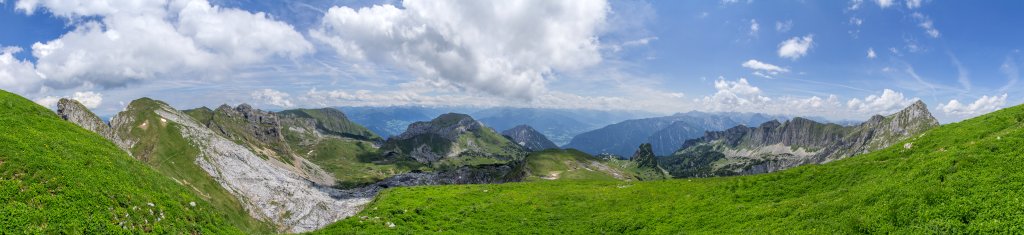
<point>531,139</point>
<point>449,126</point>
<point>644,156</point>
<point>74,112</point>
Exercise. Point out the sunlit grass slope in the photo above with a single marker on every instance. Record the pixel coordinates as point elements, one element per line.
<point>57,178</point>
<point>963,177</point>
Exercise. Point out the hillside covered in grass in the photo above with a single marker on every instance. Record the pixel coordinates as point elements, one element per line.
<point>56,177</point>
<point>959,178</point>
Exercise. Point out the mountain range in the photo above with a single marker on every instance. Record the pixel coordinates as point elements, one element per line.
<point>299,170</point>
<point>665,134</point>
<point>774,145</point>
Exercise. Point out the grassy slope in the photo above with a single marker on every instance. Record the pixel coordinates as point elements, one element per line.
<point>334,122</point>
<point>162,147</point>
<point>56,177</point>
<point>353,162</point>
<point>571,164</point>
<point>959,178</point>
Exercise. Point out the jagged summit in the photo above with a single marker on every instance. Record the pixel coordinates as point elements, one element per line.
<point>531,139</point>
<point>776,145</point>
<point>644,156</point>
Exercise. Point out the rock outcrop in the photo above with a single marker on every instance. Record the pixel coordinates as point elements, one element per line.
<point>74,112</point>
<point>775,145</point>
<point>644,156</point>
<point>529,138</point>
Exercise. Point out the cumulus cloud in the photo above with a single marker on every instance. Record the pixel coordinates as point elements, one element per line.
<point>983,105</point>
<point>889,101</point>
<point>795,47</point>
<point>734,93</point>
<point>926,24</point>
<point>884,3</point>
<point>17,76</point>
<point>871,53</point>
<point>506,48</point>
<point>764,69</point>
<point>89,99</point>
<point>913,4</point>
<point>741,96</point>
<point>120,41</point>
<point>272,97</point>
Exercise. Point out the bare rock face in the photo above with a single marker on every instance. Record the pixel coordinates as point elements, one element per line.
<point>775,145</point>
<point>75,112</point>
<point>529,138</point>
<point>269,190</point>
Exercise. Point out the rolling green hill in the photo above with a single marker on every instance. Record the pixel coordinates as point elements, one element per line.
<point>56,177</point>
<point>959,178</point>
<point>571,164</point>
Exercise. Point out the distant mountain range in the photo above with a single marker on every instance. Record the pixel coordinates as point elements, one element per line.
<point>558,125</point>
<point>666,134</point>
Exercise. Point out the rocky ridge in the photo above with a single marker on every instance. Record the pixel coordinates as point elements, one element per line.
<point>529,138</point>
<point>73,111</point>
<point>775,145</point>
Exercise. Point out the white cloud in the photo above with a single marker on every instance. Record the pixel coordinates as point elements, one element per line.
<point>48,101</point>
<point>855,4</point>
<point>88,99</point>
<point>505,48</point>
<point>889,101</point>
<point>272,97</point>
<point>733,94</point>
<point>118,42</point>
<point>926,24</point>
<point>783,27</point>
<point>741,96</point>
<point>754,27</point>
<point>983,105</point>
<point>871,53</point>
<point>913,4</point>
<point>796,47</point>
<point>856,21</point>
<point>884,3</point>
<point>18,76</point>
<point>764,69</point>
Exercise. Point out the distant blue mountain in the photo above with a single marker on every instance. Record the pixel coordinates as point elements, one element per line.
<point>666,134</point>
<point>558,125</point>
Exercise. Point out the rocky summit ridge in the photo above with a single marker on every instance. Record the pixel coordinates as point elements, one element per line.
<point>775,145</point>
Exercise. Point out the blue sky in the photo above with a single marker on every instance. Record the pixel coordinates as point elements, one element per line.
<point>836,59</point>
